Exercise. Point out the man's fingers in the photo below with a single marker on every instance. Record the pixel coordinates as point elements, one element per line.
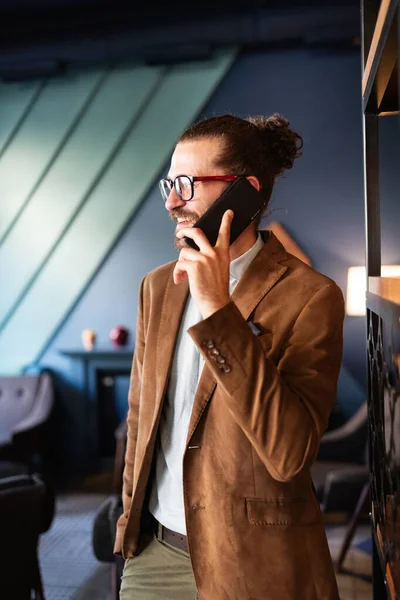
<point>224,235</point>
<point>196,234</point>
<point>189,254</point>
<point>180,272</point>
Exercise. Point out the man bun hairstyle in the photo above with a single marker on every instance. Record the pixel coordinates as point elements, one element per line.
<point>282,144</point>
<point>261,146</point>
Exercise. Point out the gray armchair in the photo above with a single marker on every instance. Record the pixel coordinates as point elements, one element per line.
<point>341,468</point>
<point>22,501</point>
<point>341,474</point>
<point>27,498</point>
<point>26,402</point>
<point>107,515</point>
<point>35,400</point>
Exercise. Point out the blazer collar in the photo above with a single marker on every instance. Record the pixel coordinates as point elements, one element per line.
<point>174,301</point>
<point>261,275</point>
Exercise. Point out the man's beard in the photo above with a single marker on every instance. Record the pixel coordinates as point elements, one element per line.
<point>180,243</point>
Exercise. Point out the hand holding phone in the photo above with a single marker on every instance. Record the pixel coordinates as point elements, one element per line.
<point>246,203</point>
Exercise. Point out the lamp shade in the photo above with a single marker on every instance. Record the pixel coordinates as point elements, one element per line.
<point>357,287</point>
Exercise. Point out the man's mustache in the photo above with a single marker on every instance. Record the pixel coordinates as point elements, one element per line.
<point>184,215</point>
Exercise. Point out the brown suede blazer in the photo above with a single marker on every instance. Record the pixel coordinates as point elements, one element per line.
<point>254,525</point>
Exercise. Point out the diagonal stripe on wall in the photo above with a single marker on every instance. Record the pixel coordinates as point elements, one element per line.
<point>30,152</point>
<point>15,102</point>
<point>112,201</point>
<point>67,184</point>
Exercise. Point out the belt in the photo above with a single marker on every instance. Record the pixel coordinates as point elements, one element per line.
<point>178,540</point>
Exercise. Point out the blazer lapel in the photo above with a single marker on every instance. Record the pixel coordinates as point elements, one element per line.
<point>261,275</point>
<point>175,297</point>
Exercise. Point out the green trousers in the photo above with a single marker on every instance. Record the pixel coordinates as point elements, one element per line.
<point>159,572</point>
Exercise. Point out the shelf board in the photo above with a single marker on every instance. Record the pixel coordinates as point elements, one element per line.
<point>103,353</point>
<point>389,113</point>
<point>387,90</point>
<point>385,287</point>
<point>379,83</point>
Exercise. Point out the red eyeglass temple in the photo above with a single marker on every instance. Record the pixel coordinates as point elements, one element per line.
<point>216,178</point>
<point>219,178</point>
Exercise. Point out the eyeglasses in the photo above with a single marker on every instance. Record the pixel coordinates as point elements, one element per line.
<point>183,185</point>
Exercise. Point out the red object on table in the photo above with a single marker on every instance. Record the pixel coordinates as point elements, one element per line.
<point>119,335</point>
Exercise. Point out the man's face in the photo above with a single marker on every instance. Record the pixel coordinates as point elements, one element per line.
<point>196,158</point>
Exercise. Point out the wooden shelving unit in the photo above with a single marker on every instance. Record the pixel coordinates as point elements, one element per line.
<point>381,98</point>
<point>385,287</point>
<point>380,78</point>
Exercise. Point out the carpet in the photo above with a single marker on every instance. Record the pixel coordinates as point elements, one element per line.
<point>70,571</point>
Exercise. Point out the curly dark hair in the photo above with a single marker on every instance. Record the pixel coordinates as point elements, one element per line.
<point>261,146</point>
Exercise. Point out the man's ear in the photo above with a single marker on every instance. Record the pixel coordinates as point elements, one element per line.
<point>254,182</point>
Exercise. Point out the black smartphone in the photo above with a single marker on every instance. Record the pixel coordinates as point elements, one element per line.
<point>246,203</point>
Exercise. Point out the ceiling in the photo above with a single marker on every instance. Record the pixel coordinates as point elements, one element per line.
<point>39,34</point>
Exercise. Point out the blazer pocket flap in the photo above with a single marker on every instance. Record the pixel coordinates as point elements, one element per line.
<point>283,511</point>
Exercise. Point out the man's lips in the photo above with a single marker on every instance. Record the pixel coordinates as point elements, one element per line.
<point>183,224</point>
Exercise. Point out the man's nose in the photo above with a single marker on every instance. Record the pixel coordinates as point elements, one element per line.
<point>174,201</point>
